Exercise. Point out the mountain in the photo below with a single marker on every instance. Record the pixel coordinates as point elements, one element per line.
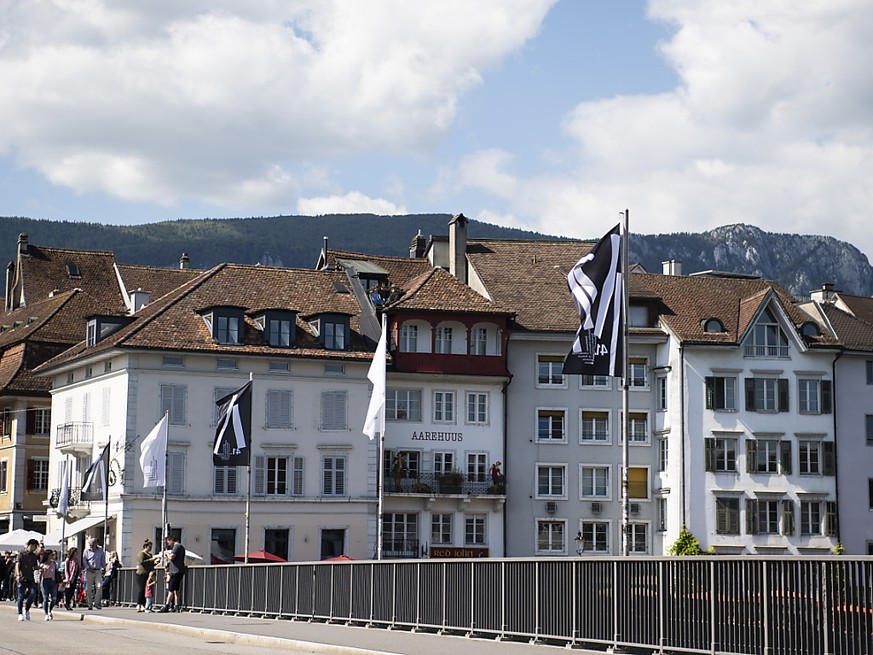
<point>799,262</point>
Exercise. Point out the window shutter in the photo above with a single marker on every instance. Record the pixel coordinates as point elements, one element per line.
<point>709,454</point>
<point>751,456</point>
<point>218,483</point>
<point>826,397</point>
<point>721,518</point>
<point>750,394</point>
<point>259,486</point>
<point>297,482</point>
<point>787,517</point>
<point>327,476</point>
<point>31,474</point>
<point>830,519</point>
<point>752,516</point>
<point>278,409</point>
<point>733,512</point>
<point>340,473</point>
<point>828,460</point>
<point>30,420</point>
<point>231,479</point>
<point>785,457</point>
<point>176,473</point>
<point>709,383</point>
<point>782,385</point>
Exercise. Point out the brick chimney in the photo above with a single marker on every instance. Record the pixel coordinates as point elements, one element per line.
<point>184,261</point>
<point>458,247</point>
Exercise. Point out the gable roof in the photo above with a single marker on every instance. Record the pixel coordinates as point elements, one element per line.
<point>854,333</point>
<point>401,270</point>
<point>440,291</point>
<point>157,281</point>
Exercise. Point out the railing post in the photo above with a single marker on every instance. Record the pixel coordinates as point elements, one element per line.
<point>281,590</point>
<point>766,594</point>
<point>616,634</point>
<point>662,610</point>
<point>713,626</point>
<point>472,597</point>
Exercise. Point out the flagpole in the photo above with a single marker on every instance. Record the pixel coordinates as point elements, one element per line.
<point>106,496</point>
<point>65,481</point>
<point>625,387</point>
<point>164,515</point>
<point>380,455</point>
<point>249,492</point>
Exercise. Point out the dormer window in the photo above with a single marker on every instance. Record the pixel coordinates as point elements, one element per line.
<point>73,272</point>
<point>767,338</point>
<point>333,331</point>
<point>279,327</point>
<point>713,325</point>
<point>810,330</point>
<point>98,328</point>
<point>226,324</point>
<point>638,316</point>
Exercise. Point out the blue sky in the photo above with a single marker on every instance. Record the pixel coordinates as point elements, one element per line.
<point>550,115</point>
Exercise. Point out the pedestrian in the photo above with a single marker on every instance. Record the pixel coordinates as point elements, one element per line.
<point>110,578</point>
<point>149,592</point>
<point>48,569</point>
<point>176,571</point>
<point>72,573</point>
<point>25,570</point>
<point>145,564</point>
<point>93,562</point>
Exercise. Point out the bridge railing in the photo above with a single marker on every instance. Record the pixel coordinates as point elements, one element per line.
<point>723,605</point>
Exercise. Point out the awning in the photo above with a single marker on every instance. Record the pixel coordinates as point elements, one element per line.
<point>76,527</point>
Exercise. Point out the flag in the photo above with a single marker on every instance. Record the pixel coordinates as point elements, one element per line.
<point>233,436</point>
<point>64,499</point>
<point>596,284</point>
<point>153,456</point>
<point>375,421</point>
<point>96,483</point>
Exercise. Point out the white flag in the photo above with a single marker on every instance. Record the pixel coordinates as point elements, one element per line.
<point>153,456</point>
<point>64,500</point>
<point>376,411</point>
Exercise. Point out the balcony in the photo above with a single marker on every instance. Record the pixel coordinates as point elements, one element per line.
<point>451,364</point>
<point>433,484</point>
<point>400,548</point>
<point>77,435</point>
<point>77,507</point>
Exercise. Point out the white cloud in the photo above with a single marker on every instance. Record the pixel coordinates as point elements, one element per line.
<point>217,101</point>
<point>353,202</point>
<point>770,125</point>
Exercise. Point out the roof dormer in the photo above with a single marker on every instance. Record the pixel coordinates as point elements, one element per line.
<point>279,327</point>
<point>332,330</point>
<point>225,323</point>
<point>99,327</point>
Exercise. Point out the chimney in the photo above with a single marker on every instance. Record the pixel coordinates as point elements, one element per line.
<point>671,267</point>
<point>139,299</point>
<point>22,243</point>
<point>824,295</point>
<point>184,261</point>
<point>416,248</point>
<point>458,247</point>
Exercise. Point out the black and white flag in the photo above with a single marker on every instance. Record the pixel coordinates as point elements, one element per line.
<point>596,284</point>
<point>233,436</point>
<point>95,486</point>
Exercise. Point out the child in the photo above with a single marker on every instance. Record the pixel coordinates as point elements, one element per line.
<point>150,592</point>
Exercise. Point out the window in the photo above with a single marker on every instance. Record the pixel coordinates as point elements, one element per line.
<point>333,469</point>
<point>727,515</point>
<point>595,426</point>
<point>222,545</point>
<point>550,425</point>
<point>4,476</point>
<point>474,529</point>
<point>42,421</point>
<point>334,369</point>
<point>279,367</point>
<point>477,407</point>
<point>638,538</point>
<point>227,329</point>
<point>549,371</point>
<point>279,408</point>
<point>595,537</point>
<point>335,335</point>
<point>227,364</point>
<point>403,405</point>
<point>663,454</point>
<point>91,333</point>
<point>280,332</point>
<point>721,454</point>
<point>595,482</point>
<point>408,338</point>
<point>661,513</point>
<point>218,393</point>
<point>277,476</point>
<point>176,472</point>
<point>174,400</point>
<point>333,410</point>
<point>170,361</point>
<point>638,372</point>
<point>638,316</point>
<point>276,541</point>
<point>638,428</point>
<point>550,536</point>
<point>762,516</point>
<point>767,339</point>
<point>550,481</point>
<point>443,342</point>
<point>766,395</point>
<point>830,522</point>
<point>809,457</point>
<point>441,529</point>
<point>869,369</point>
<point>477,467</point>
<point>814,396</point>
<point>479,341</point>
<point>768,456</point>
<point>401,465</point>
<point>661,385</point>
<point>810,517</point>
<point>400,535</point>
<point>638,482</point>
<point>443,462</point>
<point>721,393</point>
<point>37,474</point>
<point>224,481</point>
<point>868,424</point>
<point>444,406</point>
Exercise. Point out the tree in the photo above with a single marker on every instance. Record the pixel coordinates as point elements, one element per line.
<point>686,544</point>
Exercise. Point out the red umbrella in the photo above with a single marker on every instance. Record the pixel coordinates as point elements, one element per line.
<point>339,558</point>
<point>259,557</point>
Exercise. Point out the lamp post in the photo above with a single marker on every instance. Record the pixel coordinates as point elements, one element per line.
<point>580,543</point>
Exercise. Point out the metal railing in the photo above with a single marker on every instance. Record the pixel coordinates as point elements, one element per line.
<point>75,433</point>
<point>436,484</point>
<point>718,605</point>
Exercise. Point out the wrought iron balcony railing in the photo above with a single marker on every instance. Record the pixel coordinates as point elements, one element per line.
<point>75,498</point>
<point>430,484</point>
<point>400,548</point>
<point>75,433</point>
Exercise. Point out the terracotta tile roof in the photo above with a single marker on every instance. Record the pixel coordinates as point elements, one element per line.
<point>59,319</point>
<point>157,281</point>
<point>174,322</point>
<point>853,332</point>
<point>860,306</point>
<point>401,270</point>
<point>438,290</point>
<point>44,271</point>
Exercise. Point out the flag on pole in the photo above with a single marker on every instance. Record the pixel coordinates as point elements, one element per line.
<point>596,284</point>
<point>233,436</point>
<point>96,483</point>
<point>153,456</point>
<point>64,499</point>
<point>375,421</point>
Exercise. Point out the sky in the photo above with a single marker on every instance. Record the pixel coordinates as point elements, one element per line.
<point>547,115</point>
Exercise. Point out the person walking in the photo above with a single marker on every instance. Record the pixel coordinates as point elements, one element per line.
<point>93,561</point>
<point>48,569</point>
<point>176,570</point>
<point>145,565</point>
<point>25,569</point>
<point>72,573</point>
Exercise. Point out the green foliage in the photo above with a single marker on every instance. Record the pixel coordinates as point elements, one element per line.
<point>686,544</point>
<point>839,549</point>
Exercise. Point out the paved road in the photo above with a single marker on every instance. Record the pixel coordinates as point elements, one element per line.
<point>117,630</point>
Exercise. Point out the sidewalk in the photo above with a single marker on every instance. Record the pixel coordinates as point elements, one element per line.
<point>314,636</point>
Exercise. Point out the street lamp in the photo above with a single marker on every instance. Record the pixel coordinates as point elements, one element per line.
<point>580,543</point>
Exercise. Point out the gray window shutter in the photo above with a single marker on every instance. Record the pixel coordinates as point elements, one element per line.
<point>751,456</point>
<point>785,457</point>
<point>709,382</point>
<point>828,460</point>
<point>260,473</point>
<point>230,479</point>
<point>752,516</point>
<point>297,483</point>
<point>279,409</point>
<point>709,454</point>
<point>750,394</point>
<point>782,387</point>
<point>826,397</point>
<point>176,472</point>
<point>218,480</point>
<point>733,516</point>
<point>787,517</point>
